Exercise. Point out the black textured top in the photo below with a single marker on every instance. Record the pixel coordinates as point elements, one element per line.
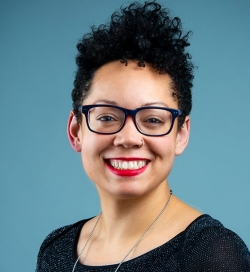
<point>205,245</point>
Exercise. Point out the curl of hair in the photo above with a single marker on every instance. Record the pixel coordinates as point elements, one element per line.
<point>143,32</point>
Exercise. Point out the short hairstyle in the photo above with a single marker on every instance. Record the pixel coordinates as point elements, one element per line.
<point>142,32</point>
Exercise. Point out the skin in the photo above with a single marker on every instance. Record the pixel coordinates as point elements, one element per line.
<point>130,204</point>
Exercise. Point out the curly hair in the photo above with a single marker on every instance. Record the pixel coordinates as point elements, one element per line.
<point>142,32</point>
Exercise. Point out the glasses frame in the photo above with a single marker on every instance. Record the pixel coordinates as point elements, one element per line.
<point>85,110</point>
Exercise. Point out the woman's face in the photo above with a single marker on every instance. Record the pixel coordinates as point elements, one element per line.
<point>129,87</point>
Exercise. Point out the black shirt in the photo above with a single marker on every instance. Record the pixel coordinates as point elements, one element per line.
<point>205,245</point>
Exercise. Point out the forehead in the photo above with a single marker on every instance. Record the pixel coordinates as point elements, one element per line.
<point>130,84</point>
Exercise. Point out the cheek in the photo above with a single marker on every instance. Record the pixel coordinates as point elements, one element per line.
<point>92,147</point>
<point>164,147</point>
<point>164,151</point>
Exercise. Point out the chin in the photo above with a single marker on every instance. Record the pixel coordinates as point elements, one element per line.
<point>131,192</point>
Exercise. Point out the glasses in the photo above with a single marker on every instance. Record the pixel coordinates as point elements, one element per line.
<point>149,121</point>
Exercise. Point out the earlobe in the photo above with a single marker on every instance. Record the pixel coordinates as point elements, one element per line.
<point>73,132</point>
<point>182,137</point>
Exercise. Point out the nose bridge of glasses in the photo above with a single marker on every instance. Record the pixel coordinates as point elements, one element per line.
<point>129,121</point>
<point>129,116</point>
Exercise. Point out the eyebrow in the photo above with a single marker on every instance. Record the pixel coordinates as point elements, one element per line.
<point>106,101</point>
<point>156,104</point>
<point>110,102</point>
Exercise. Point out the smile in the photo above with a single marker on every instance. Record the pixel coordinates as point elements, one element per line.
<point>127,165</point>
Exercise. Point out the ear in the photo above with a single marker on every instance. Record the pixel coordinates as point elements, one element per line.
<point>73,132</point>
<point>182,137</point>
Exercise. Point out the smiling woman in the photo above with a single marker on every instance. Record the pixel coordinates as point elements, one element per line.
<point>130,118</point>
<point>136,88</point>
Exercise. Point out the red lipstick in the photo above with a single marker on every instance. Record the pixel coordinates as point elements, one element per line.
<point>127,172</point>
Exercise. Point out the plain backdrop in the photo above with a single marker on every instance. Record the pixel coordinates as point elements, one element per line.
<point>43,185</point>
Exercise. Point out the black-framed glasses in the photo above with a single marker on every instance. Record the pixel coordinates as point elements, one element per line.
<point>149,121</point>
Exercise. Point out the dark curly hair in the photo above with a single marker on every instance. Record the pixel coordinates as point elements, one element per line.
<point>143,32</point>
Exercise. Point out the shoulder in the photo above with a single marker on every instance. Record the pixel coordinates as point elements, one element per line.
<point>60,239</point>
<point>61,232</point>
<point>207,244</point>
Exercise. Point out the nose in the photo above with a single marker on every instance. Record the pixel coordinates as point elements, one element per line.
<point>129,136</point>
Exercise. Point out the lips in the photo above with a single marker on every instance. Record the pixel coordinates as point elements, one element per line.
<point>127,167</point>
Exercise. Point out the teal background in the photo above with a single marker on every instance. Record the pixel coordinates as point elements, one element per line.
<point>43,185</point>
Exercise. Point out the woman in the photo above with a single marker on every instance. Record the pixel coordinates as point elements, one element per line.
<point>130,118</point>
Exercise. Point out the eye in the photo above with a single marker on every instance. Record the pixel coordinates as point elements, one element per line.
<point>106,118</point>
<point>154,120</point>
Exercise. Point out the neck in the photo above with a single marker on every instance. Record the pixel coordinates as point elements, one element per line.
<point>123,218</point>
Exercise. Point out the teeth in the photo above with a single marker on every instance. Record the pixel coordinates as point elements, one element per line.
<point>130,165</point>
<point>124,165</point>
